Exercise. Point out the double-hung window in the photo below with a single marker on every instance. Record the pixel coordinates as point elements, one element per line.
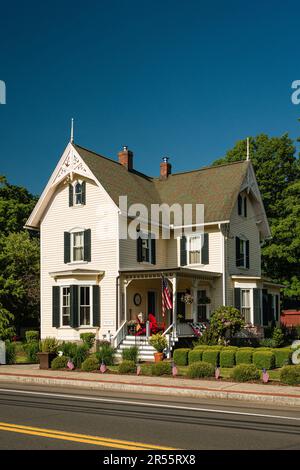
<point>77,246</point>
<point>194,250</point>
<point>242,252</point>
<point>78,193</point>
<point>201,307</point>
<point>146,249</point>
<point>65,303</point>
<point>84,305</point>
<point>245,305</point>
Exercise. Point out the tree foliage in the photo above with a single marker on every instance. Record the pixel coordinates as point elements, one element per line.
<point>226,322</point>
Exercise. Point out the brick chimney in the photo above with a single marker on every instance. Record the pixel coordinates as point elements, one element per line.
<point>126,158</point>
<point>165,168</point>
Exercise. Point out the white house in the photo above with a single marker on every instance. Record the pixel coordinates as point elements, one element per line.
<point>93,280</point>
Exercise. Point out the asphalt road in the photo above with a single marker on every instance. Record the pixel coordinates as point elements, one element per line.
<point>59,418</point>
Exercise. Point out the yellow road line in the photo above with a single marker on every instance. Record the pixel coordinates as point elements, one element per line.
<point>88,439</point>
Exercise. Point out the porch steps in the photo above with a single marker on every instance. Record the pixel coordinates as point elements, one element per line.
<point>146,351</point>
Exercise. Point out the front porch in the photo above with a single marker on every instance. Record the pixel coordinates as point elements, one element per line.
<point>140,293</point>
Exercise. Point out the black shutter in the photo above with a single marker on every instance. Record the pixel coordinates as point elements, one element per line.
<point>183,252</point>
<point>245,207</point>
<point>277,307</point>
<point>237,298</point>
<point>87,245</point>
<point>265,306</point>
<point>74,306</point>
<point>247,254</point>
<point>153,251</point>
<point>256,305</point>
<point>139,252</point>
<point>55,306</point>
<point>67,247</point>
<point>240,204</point>
<point>205,249</point>
<point>96,305</point>
<point>270,308</point>
<point>237,252</point>
<point>83,189</point>
<point>71,189</point>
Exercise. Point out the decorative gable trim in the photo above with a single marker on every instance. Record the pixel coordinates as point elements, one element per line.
<point>72,164</point>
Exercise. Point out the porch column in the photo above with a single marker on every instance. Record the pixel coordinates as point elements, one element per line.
<point>126,284</point>
<point>194,294</point>
<point>174,319</point>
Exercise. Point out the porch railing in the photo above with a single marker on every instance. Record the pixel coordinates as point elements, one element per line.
<point>120,335</point>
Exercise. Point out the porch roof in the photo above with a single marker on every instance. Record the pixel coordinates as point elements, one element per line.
<point>169,272</point>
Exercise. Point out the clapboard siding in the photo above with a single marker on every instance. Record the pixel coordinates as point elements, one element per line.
<point>100,215</point>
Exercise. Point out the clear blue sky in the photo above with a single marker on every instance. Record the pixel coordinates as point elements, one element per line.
<point>185,79</point>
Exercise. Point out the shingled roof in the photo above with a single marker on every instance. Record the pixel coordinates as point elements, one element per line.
<point>216,187</point>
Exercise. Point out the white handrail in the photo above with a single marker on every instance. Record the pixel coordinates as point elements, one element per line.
<point>169,328</point>
<point>119,335</point>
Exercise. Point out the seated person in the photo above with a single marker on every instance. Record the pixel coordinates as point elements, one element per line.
<point>154,326</point>
<point>141,326</point>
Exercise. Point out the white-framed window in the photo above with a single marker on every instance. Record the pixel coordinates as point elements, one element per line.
<point>78,193</point>
<point>85,305</point>
<point>146,247</point>
<point>65,306</point>
<point>194,249</point>
<point>246,304</point>
<point>77,246</point>
<point>201,307</point>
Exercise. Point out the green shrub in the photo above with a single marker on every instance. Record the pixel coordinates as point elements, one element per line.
<point>49,345</point>
<point>230,348</point>
<point>227,358</point>
<point>262,348</point>
<point>130,354</point>
<point>90,363</point>
<point>88,339</point>
<point>290,375</point>
<point>161,368</point>
<point>282,356</point>
<point>263,359</point>
<point>212,356</point>
<point>60,362</point>
<point>10,352</point>
<point>77,353</point>
<point>216,347</point>
<point>105,353</point>
<point>127,367</point>
<point>31,349</point>
<point>195,355</point>
<point>200,369</point>
<point>245,373</point>
<point>244,356</point>
<point>146,369</point>
<point>159,342</point>
<point>268,343</point>
<point>31,335</point>
<point>278,337</point>
<point>201,346</point>
<point>180,356</point>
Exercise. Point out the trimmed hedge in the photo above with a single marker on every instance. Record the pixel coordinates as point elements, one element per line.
<point>227,358</point>
<point>212,356</point>
<point>59,362</point>
<point>264,359</point>
<point>127,367</point>
<point>244,356</point>
<point>290,375</point>
<point>245,373</point>
<point>90,363</point>
<point>195,355</point>
<point>282,356</point>
<point>201,346</point>
<point>161,368</point>
<point>200,369</point>
<point>180,356</point>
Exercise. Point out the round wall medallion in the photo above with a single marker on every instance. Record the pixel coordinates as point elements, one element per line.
<point>137,299</point>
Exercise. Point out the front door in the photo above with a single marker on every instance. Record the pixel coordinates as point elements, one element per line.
<point>180,307</point>
<point>152,303</point>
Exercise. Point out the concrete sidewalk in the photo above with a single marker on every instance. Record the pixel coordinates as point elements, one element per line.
<point>269,394</point>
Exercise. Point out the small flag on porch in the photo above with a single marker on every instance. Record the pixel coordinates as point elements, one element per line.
<point>70,365</point>
<point>265,376</point>
<point>217,373</point>
<point>102,368</point>
<point>174,370</point>
<point>165,297</point>
<point>138,369</point>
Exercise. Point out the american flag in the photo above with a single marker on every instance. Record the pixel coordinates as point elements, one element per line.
<point>102,368</point>
<point>166,300</point>
<point>70,365</point>
<point>265,376</point>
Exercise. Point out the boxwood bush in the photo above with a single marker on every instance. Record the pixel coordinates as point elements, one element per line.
<point>282,356</point>
<point>195,355</point>
<point>127,367</point>
<point>227,358</point>
<point>90,363</point>
<point>59,362</point>
<point>31,335</point>
<point>212,356</point>
<point>130,354</point>
<point>201,346</point>
<point>200,369</point>
<point>264,359</point>
<point>161,368</point>
<point>180,356</point>
<point>243,356</point>
<point>290,375</point>
<point>245,373</point>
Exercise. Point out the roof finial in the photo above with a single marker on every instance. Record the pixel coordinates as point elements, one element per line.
<point>72,131</point>
<point>248,149</point>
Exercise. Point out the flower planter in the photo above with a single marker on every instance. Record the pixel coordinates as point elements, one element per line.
<point>46,359</point>
<point>158,357</point>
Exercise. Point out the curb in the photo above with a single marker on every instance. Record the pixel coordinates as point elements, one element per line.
<point>157,389</point>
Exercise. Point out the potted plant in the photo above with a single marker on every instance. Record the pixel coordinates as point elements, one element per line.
<point>131,327</point>
<point>159,342</point>
<point>48,351</point>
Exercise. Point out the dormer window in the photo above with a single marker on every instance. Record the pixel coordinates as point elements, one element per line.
<point>242,205</point>
<point>77,191</point>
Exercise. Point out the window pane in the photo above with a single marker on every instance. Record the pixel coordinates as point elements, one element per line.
<point>78,193</point>
<point>85,305</point>
<point>194,250</point>
<point>65,306</point>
